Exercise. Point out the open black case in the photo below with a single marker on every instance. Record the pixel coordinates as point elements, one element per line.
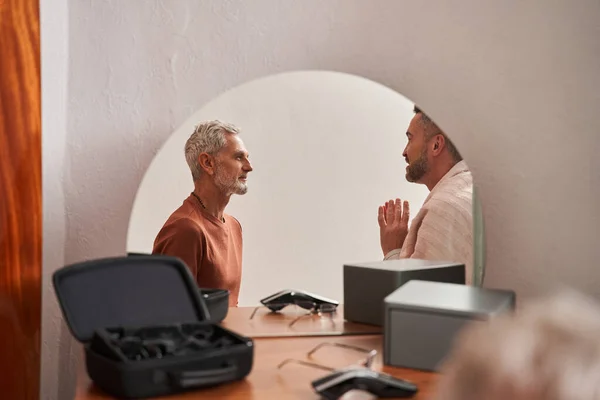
<point>146,328</point>
<point>216,300</point>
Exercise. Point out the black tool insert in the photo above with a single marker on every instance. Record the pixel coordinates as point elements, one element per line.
<point>156,342</point>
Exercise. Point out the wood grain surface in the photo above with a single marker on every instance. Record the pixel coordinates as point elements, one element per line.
<point>292,381</point>
<point>20,199</point>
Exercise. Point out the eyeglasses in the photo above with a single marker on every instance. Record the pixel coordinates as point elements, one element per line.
<point>312,308</point>
<point>367,362</point>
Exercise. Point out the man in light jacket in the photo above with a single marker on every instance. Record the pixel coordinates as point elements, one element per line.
<point>443,228</point>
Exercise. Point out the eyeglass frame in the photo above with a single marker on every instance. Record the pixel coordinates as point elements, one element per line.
<point>367,363</point>
<point>316,309</point>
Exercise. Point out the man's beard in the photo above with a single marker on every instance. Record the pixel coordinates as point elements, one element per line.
<point>229,184</point>
<point>418,168</point>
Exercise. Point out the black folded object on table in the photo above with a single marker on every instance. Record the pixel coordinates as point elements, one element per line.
<point>146,327</point>
<point>217,302</point>
<point>339,382</point>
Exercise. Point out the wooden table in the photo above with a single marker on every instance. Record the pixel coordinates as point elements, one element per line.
<point>266,381</point>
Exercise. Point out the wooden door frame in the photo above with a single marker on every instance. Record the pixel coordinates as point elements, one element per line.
<point>20,199</point>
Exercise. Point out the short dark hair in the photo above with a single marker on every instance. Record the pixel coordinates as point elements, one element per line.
<point>433,130</point>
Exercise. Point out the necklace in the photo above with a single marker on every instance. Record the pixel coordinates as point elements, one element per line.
<point>202,204</point>
<point>200,200</point>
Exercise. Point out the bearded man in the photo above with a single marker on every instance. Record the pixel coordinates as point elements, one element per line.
<point>443,228</point>
<point>199,232</point>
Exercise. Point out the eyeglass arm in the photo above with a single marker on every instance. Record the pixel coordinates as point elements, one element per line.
<point>254,312</point>
<point>305,363</point>
<point>371,354</point>
<point>278,306</point>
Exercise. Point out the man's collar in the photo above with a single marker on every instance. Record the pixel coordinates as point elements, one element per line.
<point>458,168</point>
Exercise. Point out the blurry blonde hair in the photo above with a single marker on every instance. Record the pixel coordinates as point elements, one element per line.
<point>549,349</point>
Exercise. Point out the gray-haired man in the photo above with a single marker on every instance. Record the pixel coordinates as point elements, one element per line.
<point>199,232</point>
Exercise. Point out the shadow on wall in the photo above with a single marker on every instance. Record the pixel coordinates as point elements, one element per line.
<point>478,240</point>
<point>327,151</point>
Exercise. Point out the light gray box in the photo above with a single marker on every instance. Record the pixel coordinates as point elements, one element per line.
<point>367,284</point>
<point>423,318</point>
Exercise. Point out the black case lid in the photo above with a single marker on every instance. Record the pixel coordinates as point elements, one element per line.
<point>128,292</point>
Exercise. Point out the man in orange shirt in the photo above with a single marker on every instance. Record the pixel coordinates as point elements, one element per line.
<point>199,232</point>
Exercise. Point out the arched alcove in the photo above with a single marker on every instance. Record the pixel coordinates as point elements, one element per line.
<point>327,151</point>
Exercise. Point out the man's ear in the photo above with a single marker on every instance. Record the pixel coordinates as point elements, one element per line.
<point>207,163</point>
<point>439,142</point>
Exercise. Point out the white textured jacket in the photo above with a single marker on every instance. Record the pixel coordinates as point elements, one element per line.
<point>442,230</point>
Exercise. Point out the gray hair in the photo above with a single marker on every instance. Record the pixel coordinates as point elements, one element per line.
<point>431,129</point>
<point>208,137</point>
<point>549,349</point>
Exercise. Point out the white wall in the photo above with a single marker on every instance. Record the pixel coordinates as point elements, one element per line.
<point>515,83</point>
<point>59,356</point>
<point>326,148</point>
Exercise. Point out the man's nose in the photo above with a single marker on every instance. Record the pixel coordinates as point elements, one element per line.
<point>248,167</point>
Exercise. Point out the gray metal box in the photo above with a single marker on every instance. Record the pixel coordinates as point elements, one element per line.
<point>423,318</point>
<point>367,284</point>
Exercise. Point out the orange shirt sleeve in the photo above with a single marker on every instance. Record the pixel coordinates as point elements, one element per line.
<point>182,239</point>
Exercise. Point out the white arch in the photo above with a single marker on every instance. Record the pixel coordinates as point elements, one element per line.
<point>327,151</point>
